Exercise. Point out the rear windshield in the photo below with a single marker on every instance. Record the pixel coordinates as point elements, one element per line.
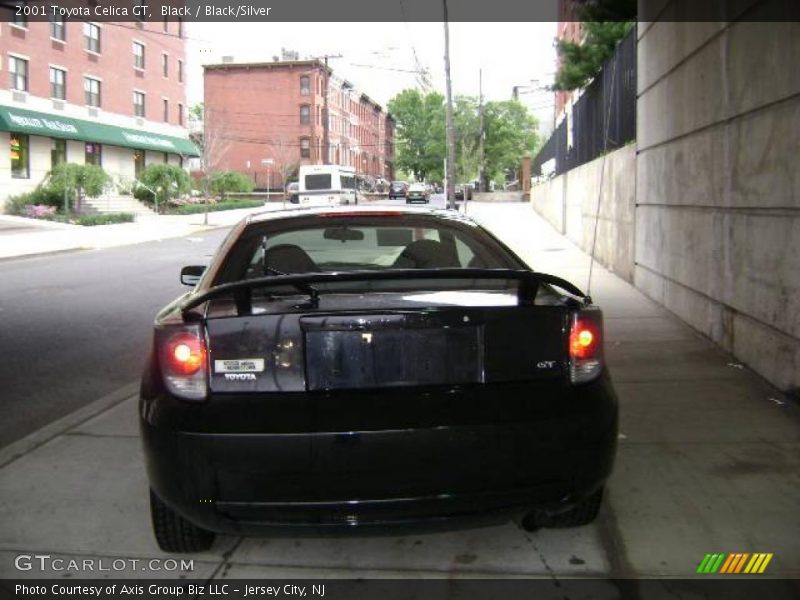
<point>318,182</point>
<point>363,243</point>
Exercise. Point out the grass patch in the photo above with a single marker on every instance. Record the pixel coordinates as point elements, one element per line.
<point>193,209</point>
<point>104,219</point>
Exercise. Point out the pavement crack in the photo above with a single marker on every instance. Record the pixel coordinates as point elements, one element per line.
<point>225,564</point>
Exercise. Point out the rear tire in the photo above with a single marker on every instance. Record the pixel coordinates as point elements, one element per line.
<point>173,532</point>
<point>583,513</point>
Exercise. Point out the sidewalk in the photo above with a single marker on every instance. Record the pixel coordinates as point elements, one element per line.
<point>708,461</point>
<point>26,237</point>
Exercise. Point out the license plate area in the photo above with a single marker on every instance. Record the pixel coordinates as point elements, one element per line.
<point>390,351</point>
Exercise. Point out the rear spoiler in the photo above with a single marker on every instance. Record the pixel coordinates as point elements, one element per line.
<point>304,283</point>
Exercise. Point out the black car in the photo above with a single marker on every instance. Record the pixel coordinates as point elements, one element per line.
<point>347,366</point>
<point>397,189</point>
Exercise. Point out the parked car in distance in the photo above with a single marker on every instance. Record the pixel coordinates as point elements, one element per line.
<point>293,192</point>
<point>340,367</point>
<point>463,191</point>
<point>397,189</point>
<point>417,193</point>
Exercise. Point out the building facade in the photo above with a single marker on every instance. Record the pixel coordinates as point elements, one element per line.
<point>261,112</point>
<point>106,93</point>
<point>569,29</point>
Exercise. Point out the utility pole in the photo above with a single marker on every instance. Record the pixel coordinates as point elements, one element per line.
<point>481,183</point>
<point>451,142</point>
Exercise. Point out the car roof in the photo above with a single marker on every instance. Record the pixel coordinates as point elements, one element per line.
<point>356,211</point>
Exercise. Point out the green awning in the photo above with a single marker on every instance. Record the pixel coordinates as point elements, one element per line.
<point>20,120</point>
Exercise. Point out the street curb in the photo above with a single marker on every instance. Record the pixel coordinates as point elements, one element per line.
<point>18,449</point>
<point>48,253</point>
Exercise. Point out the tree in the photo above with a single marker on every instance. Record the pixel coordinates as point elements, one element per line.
<point>225,182</point>
<point>284,151</point>
<point>581,62</point>
<point>419,132</point>
<point>167,181</point>
<point>208,128</point>
<point>510,133</point>
<point>76,181</point>
<point>467,132</point>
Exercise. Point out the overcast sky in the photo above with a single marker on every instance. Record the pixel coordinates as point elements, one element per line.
<point>379,58</point>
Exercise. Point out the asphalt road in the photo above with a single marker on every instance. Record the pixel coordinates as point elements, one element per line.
<point>77,326</point>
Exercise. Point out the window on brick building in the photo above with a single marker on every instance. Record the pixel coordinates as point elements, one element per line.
<point>138,104</point>
<point>305,114</point>
<point>18,69</point>
<point>166,110</point>
<point>91,88</point>
<point>91,34</point>
<point>138,55</point>
<point>305,85</point>
<point>165,65</point>
<point>58,83</point>
<point>19,19</point>
<point>180,71</point>
<point>57,29</point>
<point>305,148</point>
<point>180,114</point>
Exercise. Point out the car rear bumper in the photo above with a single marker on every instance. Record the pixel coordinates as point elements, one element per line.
<point>245,482</point>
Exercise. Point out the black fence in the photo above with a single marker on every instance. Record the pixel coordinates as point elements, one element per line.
<point>612,95</point>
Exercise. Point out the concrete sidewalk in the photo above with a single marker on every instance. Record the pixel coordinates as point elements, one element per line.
<point>708,461</point>
<point>27,237</point>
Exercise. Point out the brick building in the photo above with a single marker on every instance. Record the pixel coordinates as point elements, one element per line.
<point>275,110</point>
<point>110,93</point>
<point>569,29</point>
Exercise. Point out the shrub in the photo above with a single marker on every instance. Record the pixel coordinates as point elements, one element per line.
<point>168,181</point>
<point>104,219</point>
<point>39,211</point>
<point>17,205</point>
<point>193,209</point>
<point>225,182</point>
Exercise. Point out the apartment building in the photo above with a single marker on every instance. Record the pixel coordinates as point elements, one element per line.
<point>270,115</point>
<point>107,93</point>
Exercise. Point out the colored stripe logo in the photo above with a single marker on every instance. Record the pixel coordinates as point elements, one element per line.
<point>735,563</point>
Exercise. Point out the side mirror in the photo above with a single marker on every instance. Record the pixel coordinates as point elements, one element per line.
<point>191,275</point>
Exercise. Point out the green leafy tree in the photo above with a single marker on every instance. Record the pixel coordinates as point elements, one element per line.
<point>510,133</point>
<point>420,132</point>
<point>225,182</point>
<point>76,181</point>
<point>167,181</point>
<point>466,121</point>
<point>580,63</point>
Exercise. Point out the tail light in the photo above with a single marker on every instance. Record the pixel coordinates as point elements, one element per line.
<point>586,346</point>
<point>183,359</point>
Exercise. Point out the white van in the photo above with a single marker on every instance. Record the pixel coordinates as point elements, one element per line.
<point>323,185</point>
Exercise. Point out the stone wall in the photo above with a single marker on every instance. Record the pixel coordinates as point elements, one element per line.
<point>570,203</point>
<point>718,184</point>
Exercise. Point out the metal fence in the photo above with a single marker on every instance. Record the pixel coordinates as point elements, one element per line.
<point>612,95</point>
